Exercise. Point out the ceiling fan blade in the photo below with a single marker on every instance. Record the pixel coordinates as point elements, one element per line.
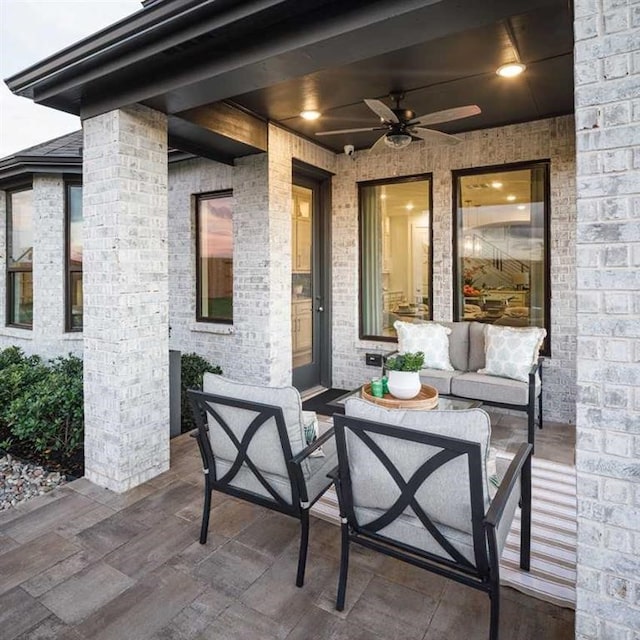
<point>436,137</point>
<point>447,115</point>
<point>381,110</point>
<point>338,131</point>
<point>379,143</point>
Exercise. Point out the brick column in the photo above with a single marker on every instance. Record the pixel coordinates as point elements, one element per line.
<point>607,77</point>
<point>3,261</point>
<point>126,349</point>
<point>48,264</point>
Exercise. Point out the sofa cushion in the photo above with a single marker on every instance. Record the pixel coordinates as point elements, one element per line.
<point>438,379</point>
<point>476,346</point>
<point>458,344</point>
<point>481,386</point>
<point>429,337</point>
<point>510,352</point>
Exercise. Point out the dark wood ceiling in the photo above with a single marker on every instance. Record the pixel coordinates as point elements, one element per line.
<point>438,74</point>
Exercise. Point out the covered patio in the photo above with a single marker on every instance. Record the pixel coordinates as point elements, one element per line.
<point>225,86</point>
<point>85,562</point>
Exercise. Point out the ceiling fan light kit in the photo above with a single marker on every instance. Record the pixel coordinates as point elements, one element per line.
<point>397,140</point>
<point>402,127</point>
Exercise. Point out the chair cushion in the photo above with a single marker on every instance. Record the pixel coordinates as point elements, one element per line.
<point>429,337</point>
<point>265,449</point>
<point>440,380</point>
<point>480,386</point>
<point>445,494</point>
<point>409,530</point>
<point>510,352</point>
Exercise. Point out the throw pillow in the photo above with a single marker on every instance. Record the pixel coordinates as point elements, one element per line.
<point>430,337</point>
<point>510,352</point>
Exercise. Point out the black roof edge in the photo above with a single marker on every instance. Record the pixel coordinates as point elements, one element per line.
<point>134,30</point>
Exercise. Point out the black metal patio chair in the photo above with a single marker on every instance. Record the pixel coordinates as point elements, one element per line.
<point>257,451</point>
<point>413,485</point>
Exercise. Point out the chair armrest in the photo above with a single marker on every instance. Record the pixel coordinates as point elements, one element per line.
<point>534,368</point>
<point>309,449</point>
<point>499,503</point>
<point>334,474</point>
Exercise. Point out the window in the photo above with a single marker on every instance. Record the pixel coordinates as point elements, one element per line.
<point>20,258</point>
<point>74,257</point>
<point>214,257</point>
<point>395,256</point>
<point>502,247</point>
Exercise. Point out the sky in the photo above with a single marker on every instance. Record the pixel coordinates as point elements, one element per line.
<point>31,30</point>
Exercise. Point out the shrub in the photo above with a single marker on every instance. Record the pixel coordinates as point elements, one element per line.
<point>17,377</point>
<point>193,369</point>
<point>49,412</point>
<point>11,355</point>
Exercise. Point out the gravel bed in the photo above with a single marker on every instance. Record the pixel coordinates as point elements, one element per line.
<point>21,480</point>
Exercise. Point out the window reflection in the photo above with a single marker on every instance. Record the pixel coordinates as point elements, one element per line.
<point>395,233</point>
<point>501,249</point>
<point>20,258</point>
<point>215,257</point>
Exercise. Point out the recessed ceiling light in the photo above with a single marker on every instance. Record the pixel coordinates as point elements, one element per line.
<point>496,184</point>
<point>310,115</point>
<point>383,196</point>
<point>521,207</point>
<point>511,197</point>
<point>511,70</point>
<point>409,206</point>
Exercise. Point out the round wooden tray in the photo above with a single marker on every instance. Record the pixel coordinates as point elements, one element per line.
<point>426,399</point>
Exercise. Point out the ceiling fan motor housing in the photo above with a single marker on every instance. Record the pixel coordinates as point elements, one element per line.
<point>404,115</point>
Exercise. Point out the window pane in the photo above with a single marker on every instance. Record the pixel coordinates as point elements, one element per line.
<point>74,204</point>
<point>215,246</point>
<point>395,232</point>
<point>75,299</point>
<point>21,298</point>
<point>501,252</point>
<point>21,230</point>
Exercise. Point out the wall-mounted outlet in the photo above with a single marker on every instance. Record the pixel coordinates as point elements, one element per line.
<point>374,359</point>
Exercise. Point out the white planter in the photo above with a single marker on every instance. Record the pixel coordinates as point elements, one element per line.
<point>404,385</point>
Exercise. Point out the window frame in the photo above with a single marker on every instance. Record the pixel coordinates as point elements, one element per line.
<point>419,177</point>
<point>544,164</point>
<point>10,293</point>
<point>209,195</point>
<point>68,270</point>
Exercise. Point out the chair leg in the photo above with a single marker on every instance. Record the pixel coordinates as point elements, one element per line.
<point>205,513</point>
<point>494,624</point>
<point>344,567</point>
<point>525,517</point>
<point>304,544</point>
<point>540,410</point>
<point>531,425</point>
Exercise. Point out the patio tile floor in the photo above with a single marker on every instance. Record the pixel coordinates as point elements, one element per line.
<point>83,563</point>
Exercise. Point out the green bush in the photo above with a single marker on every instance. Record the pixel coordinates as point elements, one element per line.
<point>17,377</point>
<point>193,369</point>
<point>11,355</point>
<point>47,411</point>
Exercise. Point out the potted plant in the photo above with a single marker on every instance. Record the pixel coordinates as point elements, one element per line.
<point>403,373</point>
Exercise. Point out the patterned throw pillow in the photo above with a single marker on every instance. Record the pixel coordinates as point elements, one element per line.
<point>510,352</point>
<point>430,337</point>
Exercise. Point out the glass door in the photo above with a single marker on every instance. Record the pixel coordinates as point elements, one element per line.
<point>310,354</point>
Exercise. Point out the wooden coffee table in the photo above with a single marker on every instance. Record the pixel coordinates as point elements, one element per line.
<point>445,403</point>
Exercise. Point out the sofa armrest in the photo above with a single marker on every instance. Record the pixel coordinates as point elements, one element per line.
<point>309,449</point>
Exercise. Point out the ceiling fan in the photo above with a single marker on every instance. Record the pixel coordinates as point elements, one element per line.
<point>402,126</point>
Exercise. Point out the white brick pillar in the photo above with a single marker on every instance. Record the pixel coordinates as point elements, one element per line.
<point>3,261</point>
<point>48,264</point>
<point>126,346</point>
<point>607,78</point>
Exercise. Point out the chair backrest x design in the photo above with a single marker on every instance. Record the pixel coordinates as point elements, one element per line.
<point>247,449</point>
<point>422,492</point>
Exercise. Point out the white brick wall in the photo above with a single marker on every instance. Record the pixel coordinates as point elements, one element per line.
<point>607,65</point>
<point>48,337</point>
<point>258,346</point>
<point>126,300</point>
<point>545,139</point>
